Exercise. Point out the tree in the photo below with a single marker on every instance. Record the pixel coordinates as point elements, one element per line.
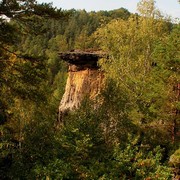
<point>131,46</point>
<point>22,76</point>
<point>24,13</point>
<point>25,17</point>
<point>167,51</point>
<point>81,41</point>
<point>147,8</point>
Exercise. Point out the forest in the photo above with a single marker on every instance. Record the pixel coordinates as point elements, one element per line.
<point>135,131</point>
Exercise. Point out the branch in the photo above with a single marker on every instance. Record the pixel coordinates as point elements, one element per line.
<point>7,50</point>
<point>25,57</point>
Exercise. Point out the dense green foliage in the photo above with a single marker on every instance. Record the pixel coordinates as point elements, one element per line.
<point>134,134</point>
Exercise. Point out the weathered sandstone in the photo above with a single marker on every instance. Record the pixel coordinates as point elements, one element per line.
<point>84,79</point>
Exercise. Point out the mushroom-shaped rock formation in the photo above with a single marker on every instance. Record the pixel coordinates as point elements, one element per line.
<point>84,79</point>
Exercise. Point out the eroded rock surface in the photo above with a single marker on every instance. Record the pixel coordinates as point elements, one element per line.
<point>84,79</point>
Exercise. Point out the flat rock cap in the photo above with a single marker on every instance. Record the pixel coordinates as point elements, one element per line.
<point>78,57</point>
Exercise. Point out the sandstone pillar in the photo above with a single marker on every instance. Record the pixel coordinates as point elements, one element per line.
<point>84,79</point>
